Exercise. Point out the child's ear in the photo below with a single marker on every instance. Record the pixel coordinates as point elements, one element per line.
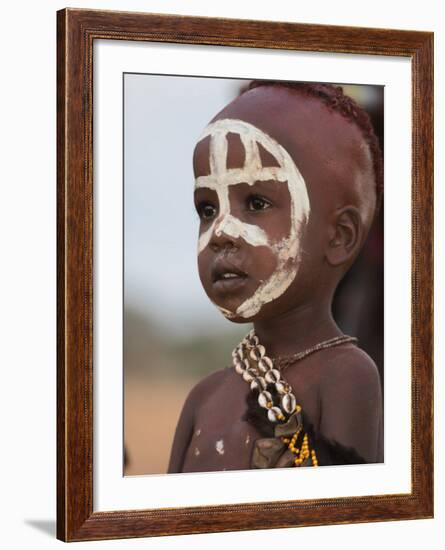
<point>345,236</point>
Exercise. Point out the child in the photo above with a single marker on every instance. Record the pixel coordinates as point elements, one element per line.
<point>288,180</point>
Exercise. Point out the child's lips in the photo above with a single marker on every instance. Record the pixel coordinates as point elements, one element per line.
<point>226,276</point>
<point>231,284</point>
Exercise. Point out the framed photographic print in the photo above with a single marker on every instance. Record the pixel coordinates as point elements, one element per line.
<point>244,275</point>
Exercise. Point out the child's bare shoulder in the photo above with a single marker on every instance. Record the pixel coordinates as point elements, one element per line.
<point>351,401</point>
<point>207,385</point>
<point>347,367</point>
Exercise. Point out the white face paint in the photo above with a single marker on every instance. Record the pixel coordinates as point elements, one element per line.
<point>221,178</point>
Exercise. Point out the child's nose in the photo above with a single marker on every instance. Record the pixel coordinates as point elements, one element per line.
<point>223,235</point>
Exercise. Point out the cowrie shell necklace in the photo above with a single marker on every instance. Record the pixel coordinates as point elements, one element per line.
<point>257,369</point>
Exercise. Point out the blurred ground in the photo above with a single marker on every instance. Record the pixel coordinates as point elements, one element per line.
<point>152,408</point>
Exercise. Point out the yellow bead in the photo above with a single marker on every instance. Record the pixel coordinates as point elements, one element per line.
<point>314,458</point>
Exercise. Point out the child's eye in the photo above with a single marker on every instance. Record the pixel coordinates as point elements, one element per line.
<point>206,210</point>
<point>255,203</point>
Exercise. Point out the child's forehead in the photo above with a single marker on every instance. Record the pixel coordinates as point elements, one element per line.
<point>324,145</point>
<point>241,146</point>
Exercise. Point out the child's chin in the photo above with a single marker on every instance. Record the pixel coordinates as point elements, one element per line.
<point>234,317</point>
<point>238,320</point>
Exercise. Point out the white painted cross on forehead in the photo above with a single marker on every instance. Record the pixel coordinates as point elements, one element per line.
<point>220,179</point>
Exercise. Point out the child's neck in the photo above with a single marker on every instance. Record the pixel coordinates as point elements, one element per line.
<point>297,330</point>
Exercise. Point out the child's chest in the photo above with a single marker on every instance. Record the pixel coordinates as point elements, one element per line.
<point>221,439</point>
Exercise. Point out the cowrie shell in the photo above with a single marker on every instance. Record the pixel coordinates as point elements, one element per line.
<point>257,352</point>
<point>273,414</point>
<point>258,383</point>
<point>260,351</point>
<point>265,363</point>
<point>254,340</point>
<point>264,398</point>
<point>240,367</point>
<point>248,375</point>
<point>288,402</point>
<point>282,387</point>
<point>236,360</point>
<point>272,376</point>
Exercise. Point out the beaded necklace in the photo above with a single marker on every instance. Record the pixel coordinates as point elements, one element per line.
<point>258,370</point>
<point>285,361</point>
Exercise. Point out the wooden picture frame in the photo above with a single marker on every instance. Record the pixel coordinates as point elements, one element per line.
<point>77,31</point>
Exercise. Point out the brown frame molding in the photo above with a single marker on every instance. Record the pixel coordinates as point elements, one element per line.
<point>76,31</point>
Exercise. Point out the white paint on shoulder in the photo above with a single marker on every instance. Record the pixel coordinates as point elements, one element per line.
<point>219,446</point>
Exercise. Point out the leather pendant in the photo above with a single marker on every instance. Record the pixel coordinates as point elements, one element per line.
<point>287,429</point>
<point>266,452</point>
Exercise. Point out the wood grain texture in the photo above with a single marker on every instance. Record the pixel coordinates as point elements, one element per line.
<point>76,31</point>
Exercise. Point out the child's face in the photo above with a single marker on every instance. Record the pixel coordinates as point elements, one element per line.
<point>253,205</point>
<point>271,173</point>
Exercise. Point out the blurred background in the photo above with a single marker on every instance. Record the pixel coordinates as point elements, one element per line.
<point>173,335</point>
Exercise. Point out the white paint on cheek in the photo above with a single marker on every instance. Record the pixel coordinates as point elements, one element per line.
<point>287,250</point>
<point>233,227</point>
<point>219,446</point>
<point>252,234</point>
